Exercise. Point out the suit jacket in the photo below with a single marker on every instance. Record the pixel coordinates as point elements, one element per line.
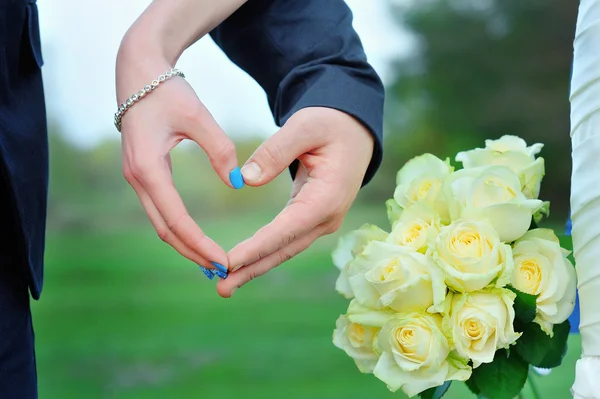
<point>302,52</point>
<point>305,53</point>
<point>23,134</point>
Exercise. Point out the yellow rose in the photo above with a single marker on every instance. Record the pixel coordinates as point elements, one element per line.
<point>542,269</point>
<point>356,334</point>
<point>349,246</point>
<point>492,193</point>
<point>357,341</point>
<point>472,256</point>
<point>512,152</point>
<point>481,323</point>
<point>387,275</point>
<point>416,228</point>
<point>366,316</point>
<point>421,180</point>
<point>415,354</point>
<point>394,211</point>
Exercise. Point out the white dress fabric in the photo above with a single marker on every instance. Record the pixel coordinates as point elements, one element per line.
<point>585,193</point>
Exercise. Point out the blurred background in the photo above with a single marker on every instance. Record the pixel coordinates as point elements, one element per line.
<point>123,316</point>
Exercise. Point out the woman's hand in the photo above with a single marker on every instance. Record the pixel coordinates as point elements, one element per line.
<point>150,130</point>
<point>168,115</point>
<point>334,151</point>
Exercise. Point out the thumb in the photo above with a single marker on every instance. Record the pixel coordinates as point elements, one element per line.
<point>219,148</point>
<point>275,155</point>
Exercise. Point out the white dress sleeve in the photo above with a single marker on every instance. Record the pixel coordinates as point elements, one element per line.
<point>585,193</point>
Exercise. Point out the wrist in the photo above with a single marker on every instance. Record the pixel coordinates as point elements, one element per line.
<point>139,61</point>
<point>155,34</point>
<point>167,27</point>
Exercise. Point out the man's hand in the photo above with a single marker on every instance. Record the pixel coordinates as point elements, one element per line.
<point>334,151</point>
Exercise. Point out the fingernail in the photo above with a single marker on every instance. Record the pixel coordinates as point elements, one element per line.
<point>236,179</point>
<point>220,274</point>
<point>207,272</point>
<point>252,171</point>
<point>220,267</point>
<point>232,291</point>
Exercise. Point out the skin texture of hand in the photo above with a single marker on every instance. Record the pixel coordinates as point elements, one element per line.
<point>334,151</point>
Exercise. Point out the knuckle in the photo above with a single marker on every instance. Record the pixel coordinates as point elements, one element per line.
<point>314,123</point>
<point>251,276</point>
<point>224,150</point>
<point>285,255</point>
<point>191,114</point>
<point>272,154</point>
<point>128,176</point>
<point>261,254</point>
<point>304,122</point>
<point>139,169</point>
<point>288,238</point>
<point>175,224</point>
<point>163,234</point>
<point>333,226</point>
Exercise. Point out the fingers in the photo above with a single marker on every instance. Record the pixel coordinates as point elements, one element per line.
<point>278,152</point>
<point>164,233</point>
<point>156,126</point>
<point>205,131</point>
<point>226,288</point>
<point>169,216</point>
<point>309,209</point>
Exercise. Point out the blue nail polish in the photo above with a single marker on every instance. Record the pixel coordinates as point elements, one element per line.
<point>220,267</point>
<point>236,178</point>
<point>208,273</point>
<point>220,274</point>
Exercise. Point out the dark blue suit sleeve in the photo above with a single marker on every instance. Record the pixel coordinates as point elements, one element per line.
<point>305,53</point>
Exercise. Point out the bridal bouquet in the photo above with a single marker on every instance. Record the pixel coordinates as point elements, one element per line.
<point>464,287</point>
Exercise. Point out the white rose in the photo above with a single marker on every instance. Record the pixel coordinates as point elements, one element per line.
<point>387,275</point>
<point>512,152</point>
<point>472,256</point>
<point>542,269</point>
<point>481,323</point>
<point>356,334</point>
<point>357,341</point>
<point>349,246</point>
<point>416,228</point>
<point>394,211</point>
<point>492,193</point>
<point>415,354</point>
<point>421,180</point>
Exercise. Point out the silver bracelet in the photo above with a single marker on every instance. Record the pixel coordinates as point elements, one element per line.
<point>142,93</point>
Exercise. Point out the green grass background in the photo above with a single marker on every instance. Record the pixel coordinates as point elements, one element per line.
<point>124,316</point>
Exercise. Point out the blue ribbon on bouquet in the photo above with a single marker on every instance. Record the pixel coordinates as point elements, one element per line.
<point>574,318</point>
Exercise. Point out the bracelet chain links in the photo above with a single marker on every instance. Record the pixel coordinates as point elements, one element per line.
<point>123,108</point>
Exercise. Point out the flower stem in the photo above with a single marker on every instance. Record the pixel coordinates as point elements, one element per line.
<point>534,389</point>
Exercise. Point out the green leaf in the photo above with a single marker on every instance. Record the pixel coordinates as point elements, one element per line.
<point>470,383</point>
<point>538,349</point>
<point>525,305</point>
<point>436,392</point>
<point>504,378</point>
<point>567,243</point>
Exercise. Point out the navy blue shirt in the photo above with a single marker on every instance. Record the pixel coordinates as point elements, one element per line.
<point>305,53</point>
